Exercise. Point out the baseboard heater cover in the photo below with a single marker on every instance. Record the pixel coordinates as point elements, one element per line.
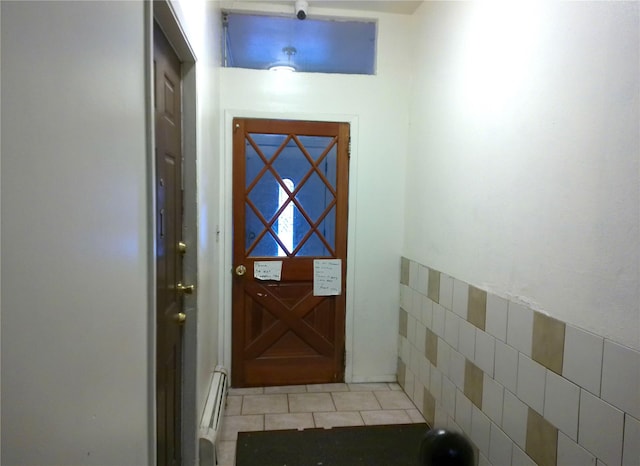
<point>212,417</point>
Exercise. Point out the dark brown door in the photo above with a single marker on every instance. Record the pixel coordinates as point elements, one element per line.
<point>168,185</point>
<point>290,181</point>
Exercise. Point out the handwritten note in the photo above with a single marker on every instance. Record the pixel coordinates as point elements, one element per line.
<point>267,270</point>
<point>327,277</point>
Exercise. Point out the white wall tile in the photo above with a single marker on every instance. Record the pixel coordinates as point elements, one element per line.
<point>485,352</point>
<point>418,394</point>
<point>456,368</point>
<point>520,458</point>
<point>483,461</point>
<point>460,298</point>
<point>438,320</point>
<point>572,454</point>
<point>514,418</point>
<point>463,412</point>
<point>435,383</point>
<point>443,356</point>
<point>451,328</point>
<point>467,340</point>
<point>500,447</point>
<point>416,305</point>
<point>417,359</point>
<point>448,396</point>
<point>480,430</point>
<point>411,329</point>
<point>423,280</point>
<point>531,382</point>
<point>446,291</point>
<point>631,446</point>
<point>506,366</point>
<point>600,428</point>
<point>425,367</point>
<point>427,312</point>
<point>409,381</point>
<point>492,399</point>
<point>582,359</point>
<point>520,327</point>
<point>421,335</point>
<point>441,417</point>
<point>621,377</point>
<point>561,404</point>
<point>496,323</point>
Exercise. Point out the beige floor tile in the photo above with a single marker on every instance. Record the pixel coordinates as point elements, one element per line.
<point>355,401</point>
<point>231,425</point>
<point>389,416</point>
<point>233,406</point>
<point>338,419</point>
<point>288,421</point>
<point>328,387</point>
<point>226,452</point>
<point>286,389</point>
<point>394,400</point>
<point>368,387</point>
<point>246,391</point>
<point>264,404</point>
<point>310,402</point>
<point>415,415</point>
<point>394,386</point>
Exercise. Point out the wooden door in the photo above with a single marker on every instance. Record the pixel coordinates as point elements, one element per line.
<point>169,313</point>
<point>290,181</point>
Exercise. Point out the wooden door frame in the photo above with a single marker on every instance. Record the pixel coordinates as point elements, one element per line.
<point>162,12</point>
<point>225,317</point>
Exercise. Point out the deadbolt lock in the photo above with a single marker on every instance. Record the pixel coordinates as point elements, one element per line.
<point>181,317</point>
<point>186,289</point>
<point>241,270</point>
<point>182,247</point>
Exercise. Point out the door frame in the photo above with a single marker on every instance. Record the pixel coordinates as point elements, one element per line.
<point>162,12</point>
<point>225,317</point>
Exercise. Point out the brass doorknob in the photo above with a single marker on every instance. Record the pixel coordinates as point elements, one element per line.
<point>182,247</point>
<point>241,270</point>
<point>180,317</point>
<point>186,289</point>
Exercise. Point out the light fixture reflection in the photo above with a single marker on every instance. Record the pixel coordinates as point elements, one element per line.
<point>288,68</point>
<point>289,52</point>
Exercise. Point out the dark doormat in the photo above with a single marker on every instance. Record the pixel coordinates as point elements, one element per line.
<point>389,445</point>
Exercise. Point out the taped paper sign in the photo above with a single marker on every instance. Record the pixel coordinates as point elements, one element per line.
<point>267,270</point>
<point>327,277</point>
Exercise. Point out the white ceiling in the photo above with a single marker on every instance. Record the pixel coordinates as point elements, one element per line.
<point>405,7</point>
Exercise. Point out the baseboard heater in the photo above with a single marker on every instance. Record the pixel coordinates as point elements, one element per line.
<point>212,417</point>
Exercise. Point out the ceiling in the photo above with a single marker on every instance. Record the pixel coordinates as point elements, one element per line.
<point>405,7</point>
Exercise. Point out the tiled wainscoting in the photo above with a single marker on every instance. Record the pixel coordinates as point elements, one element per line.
<point>525,388</point>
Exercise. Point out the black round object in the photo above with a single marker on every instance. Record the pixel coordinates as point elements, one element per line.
<point>440,447</point>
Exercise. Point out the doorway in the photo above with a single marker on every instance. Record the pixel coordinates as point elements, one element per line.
<point>161,14</point>
<point>290,196</point>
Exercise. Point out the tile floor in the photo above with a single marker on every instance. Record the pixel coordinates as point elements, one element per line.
<point>311,406</point>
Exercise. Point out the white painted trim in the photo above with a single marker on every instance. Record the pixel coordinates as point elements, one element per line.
<point>227,234</point>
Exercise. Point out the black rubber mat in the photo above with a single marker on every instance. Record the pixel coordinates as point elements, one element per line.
<point>389,445</point>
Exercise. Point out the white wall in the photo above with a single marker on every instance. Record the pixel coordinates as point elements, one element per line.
<point>377,105</point>
<point>523,174</point>
<point>75,357</point>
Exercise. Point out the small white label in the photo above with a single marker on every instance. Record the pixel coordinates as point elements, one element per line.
<point>327,277</point>
<point>267,270</point>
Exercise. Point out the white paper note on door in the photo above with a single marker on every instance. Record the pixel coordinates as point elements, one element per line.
<point>267,270</point>
<point>327,277</point>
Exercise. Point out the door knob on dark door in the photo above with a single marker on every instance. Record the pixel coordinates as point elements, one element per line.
<point>241,270</point>
<point>180,317</point>
<point>186,289</point>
